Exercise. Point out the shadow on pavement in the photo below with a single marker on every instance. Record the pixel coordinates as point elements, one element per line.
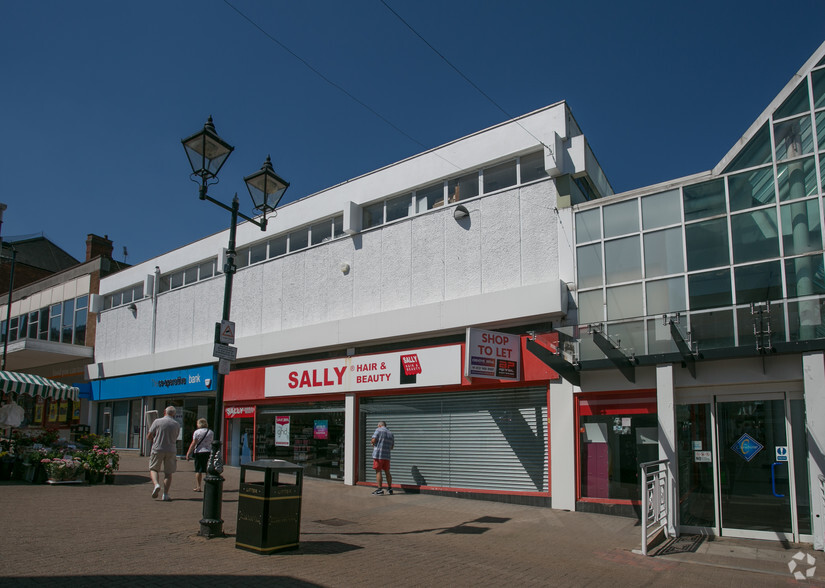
<point>158,580</point>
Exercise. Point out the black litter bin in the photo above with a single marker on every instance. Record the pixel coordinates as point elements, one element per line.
<point>269,511</point>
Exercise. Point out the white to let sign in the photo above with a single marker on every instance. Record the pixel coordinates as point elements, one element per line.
<point>490,354</point>
<point>781,453</point>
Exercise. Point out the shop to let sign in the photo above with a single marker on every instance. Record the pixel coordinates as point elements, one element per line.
<point>490,354</point>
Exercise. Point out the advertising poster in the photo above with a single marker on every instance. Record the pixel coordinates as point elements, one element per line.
<point>76,411</point>
<point>321,430</point>
<point>282,431</point>
<point>490,354</point>
<point>52,411</point>
<point>63,411</point>
<point>38,413</point>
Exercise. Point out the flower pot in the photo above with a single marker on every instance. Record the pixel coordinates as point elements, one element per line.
<point>6,467</point>
<point>27,472</point>
<point>94,477</point>
<point>109,478</point>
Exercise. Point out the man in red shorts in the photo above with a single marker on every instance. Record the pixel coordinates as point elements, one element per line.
<point>383,442</point>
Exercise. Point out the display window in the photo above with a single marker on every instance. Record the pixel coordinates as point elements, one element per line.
<point>617,433</point>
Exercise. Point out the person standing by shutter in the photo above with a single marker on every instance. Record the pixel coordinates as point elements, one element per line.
<point>383,443</point>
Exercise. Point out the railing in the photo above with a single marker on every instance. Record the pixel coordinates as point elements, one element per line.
<point>656,503</point>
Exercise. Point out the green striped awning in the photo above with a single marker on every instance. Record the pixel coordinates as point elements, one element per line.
<point>36,386</point>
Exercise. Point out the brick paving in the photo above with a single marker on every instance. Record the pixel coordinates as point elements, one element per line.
<point>116,535</point>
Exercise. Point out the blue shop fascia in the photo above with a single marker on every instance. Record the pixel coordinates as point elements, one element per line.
<point>121,404</point>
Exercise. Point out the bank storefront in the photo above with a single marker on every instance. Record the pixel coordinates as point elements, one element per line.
<point>121,403</point>
<point>452,433</point>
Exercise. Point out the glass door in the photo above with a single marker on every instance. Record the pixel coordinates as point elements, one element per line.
<point>755,489</point>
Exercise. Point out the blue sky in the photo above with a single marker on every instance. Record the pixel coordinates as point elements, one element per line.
<point>96,95</point>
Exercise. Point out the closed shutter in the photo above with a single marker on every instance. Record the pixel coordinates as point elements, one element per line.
<point>489,440</point>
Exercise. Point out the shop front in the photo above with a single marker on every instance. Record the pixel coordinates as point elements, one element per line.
<point>453,433</point>
<point>122,403</point>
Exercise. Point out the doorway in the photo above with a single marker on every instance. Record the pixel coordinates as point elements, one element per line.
<point>737,472</point>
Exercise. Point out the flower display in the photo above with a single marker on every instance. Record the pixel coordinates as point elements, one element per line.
<point>62,469</point>
<point>99,459</point>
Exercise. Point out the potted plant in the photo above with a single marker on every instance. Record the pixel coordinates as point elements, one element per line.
<point>63,470</point>
<point>99,463</point>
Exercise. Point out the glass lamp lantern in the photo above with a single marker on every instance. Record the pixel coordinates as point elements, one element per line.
<point>206,151</point>
<point>266,188</point>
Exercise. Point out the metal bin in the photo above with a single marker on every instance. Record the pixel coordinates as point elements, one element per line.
<point>269,511</point>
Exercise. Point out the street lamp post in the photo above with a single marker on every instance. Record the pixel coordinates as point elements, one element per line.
<point>207,153</point>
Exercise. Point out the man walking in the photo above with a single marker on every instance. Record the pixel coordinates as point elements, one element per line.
<point>163,437</point>
<point>383,442</point>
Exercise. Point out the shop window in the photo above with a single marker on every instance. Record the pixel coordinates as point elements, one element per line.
<point>660,210</point>
<point>621,219</point>
<point>751,189</point>
<point>704,200</point>
<point>694,447</point>
<point>707,244</point>
<point>616,435</point>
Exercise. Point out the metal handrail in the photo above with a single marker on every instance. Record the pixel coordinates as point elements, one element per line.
<point>656,504</point>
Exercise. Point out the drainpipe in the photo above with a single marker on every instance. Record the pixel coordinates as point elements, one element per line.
<point>155,286</point>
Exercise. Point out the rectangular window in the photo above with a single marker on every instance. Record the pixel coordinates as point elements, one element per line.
<point>663,253</point>
<point>257,253</point>
<point>54,322</point>
<point>747,320</point>
<point>321,232</point>
<point>241,257</point>
<point>176,280</point>
<point>707,244</point>
<point>713,330</point>
<point>624,302</point>
<point>588,225</point>
<point>797,179</point>
<point>126,296</point>
<point>190,275</point>
<point>13,328</point>
<point>621,219</point>
<point>623,260</point>
<point>499,176</point>
<point>617,434</point>
<point>589,265</point>
<point>164,284</point>
<point>68,321</point>
<point>805,319</point>
<point>800,276</point>
<point>751,189</point>
<point>591,307</point>
<point>43,333</point>
<point>338,226</point>
<point>793,138</point>
<point>34,319</point>
<point>372,215</point>
<point>80,317</point>
<point>710,289</point>
<point>704,200</point>
<point>660,210</point>
<point>430,197</point>
<point>800,227</point>
<point>532,167</point>
<point>754,235</point>
<point>205,270</point>
<point>759,282</point>
<point>298,240</point>
<point>277,246</point>
<point>462,188</point>
<point>665,296</point>
<point>399,207</point>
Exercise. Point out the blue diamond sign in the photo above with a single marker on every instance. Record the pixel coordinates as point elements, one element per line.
<point>747,447</point>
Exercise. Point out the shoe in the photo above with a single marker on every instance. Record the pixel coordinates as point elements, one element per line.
<point>196,489</point>
<point>156,491</point>
<point>389,490</point>
<point>166,498</point>
<point>378,491</point>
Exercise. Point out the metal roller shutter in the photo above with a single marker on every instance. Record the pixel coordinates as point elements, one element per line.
<point>490,440</point>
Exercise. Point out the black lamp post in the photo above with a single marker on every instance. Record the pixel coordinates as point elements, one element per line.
<point>207,153</point>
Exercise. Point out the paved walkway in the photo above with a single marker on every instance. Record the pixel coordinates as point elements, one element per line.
<point>83,535</point>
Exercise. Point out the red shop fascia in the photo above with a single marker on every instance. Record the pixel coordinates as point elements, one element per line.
<point>416,370</point>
